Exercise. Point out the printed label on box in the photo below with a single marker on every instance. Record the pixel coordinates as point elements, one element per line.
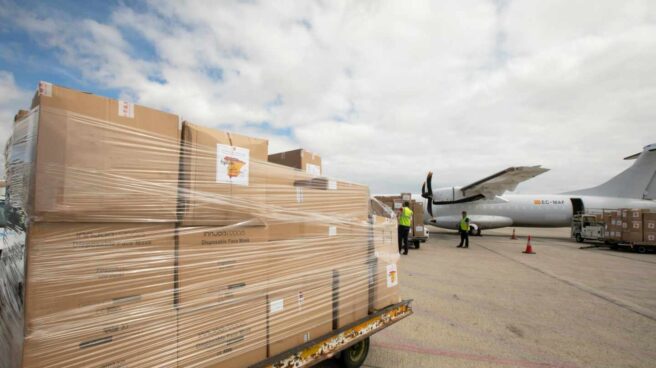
<point>419,229</point>
<point>332,230</point>
<point>276,306</point>
<point>232,165</point>
<point>392,276</point>
<point>125,109</point>
<point>45,89</point>
<point>301,300</point>
<point>397,205</point>
<point>651,225</point>
<point>313,169</point>
<point>406,197</point>
<point>332,185</point>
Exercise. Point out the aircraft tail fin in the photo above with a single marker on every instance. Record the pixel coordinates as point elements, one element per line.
<point>638,181</point>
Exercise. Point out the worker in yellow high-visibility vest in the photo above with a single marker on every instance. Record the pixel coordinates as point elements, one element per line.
<point>405,223</point>
<point>463,227</point>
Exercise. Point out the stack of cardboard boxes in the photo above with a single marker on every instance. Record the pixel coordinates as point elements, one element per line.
<point>417,207</point>
<point>150,245</point>
<point>613,221</point>
<point>89,299</point>
<point>649,226</point>
<point>630,225</point>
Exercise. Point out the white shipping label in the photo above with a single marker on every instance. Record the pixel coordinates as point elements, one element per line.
<point>406,197</point>
<point>299,195</point>
<point>125,109</point>
<point>45,89</point>
<point>636,225</point>
<point>651,237</point>
<point>651,225</point>
<point>332,230</point>
<point>232,165</point>
<point>397,205</point>
<point>332,185</point>
<point>313,169</point>
<point>419,229</point>
<point>392,275</point>
<point>301,300</point>
<point>276,306</point>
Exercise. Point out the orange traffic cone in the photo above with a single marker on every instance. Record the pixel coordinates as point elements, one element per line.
<point>513,237</point>
<point>529,248</point>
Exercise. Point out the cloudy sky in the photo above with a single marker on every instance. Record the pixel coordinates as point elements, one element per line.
<point>384,91</point>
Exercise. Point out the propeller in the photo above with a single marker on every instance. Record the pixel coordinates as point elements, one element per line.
<point>427,192</point>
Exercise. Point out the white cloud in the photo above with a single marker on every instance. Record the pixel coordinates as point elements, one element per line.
<point>13,99</point>
<point>386,91</point>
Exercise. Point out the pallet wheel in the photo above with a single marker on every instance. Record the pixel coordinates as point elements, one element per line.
<point>354,356</point>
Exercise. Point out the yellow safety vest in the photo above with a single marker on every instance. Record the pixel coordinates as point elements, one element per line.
<point>464,225</point>
<point>406,217</point>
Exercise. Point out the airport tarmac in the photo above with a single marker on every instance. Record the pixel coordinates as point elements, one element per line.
<point>493,306</point>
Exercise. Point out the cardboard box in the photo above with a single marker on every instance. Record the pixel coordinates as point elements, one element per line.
<point>299,159</point>
<point>231,336</point>
<point>299,310</point>
<point>632,226</point>
<point>418,219</point>
<point>297,197</point>
<point>352,286</point>
<point>149,344</point>
<point>384,283</point>
<point>649,222</point>
<point>221,265</point>
<point>223,177</point>
<point>78,271</point>
<point>631,236</point>
<point>74,157</point>
<point>650,237</point>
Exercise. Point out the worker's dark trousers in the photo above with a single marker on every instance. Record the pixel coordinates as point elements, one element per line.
<point>403,238</point>
<point>464,238</point>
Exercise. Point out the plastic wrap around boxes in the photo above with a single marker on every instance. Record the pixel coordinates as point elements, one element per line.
<point>137,241</point>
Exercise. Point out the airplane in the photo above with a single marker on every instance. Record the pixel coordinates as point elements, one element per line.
<point>489,208</point>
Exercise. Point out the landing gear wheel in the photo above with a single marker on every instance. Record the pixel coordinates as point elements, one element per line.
<point>355,356</point>
<point>478,232</point>
<point>416,243</point>
<point>579,238</point>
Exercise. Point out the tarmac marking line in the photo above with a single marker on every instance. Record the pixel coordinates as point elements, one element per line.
<point>471,357</point>
<point>580,287</point>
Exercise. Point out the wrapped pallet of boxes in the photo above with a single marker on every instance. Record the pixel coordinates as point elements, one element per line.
<point>94,233</point>
<point>139,245</point>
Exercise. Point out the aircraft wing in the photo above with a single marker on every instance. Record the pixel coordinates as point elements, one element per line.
<point>505,180</point>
